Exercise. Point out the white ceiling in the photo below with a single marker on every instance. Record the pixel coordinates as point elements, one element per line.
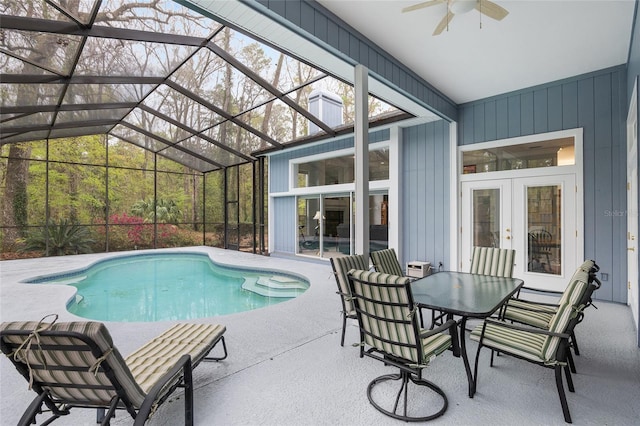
<point>538,42</point>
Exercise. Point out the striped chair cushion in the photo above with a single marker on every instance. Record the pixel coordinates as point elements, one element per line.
<point>150,362</point>
<point>492,261</point>
<point>529,313</point>
<point>558,324</point>
<point>532,346</point>
<point>526,345</point>
<point>84,360</point>
<point>433,346</point>
<point>386,261</point>
<point>341,266</point>
<point>575,290</point>
<point>392,329</point>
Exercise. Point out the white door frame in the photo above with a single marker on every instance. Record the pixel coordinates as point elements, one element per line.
<point>512,232</point>
<point>632,207</point>
<point>576,169</point>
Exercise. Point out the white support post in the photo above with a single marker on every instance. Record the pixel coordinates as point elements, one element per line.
<point>361,128</point>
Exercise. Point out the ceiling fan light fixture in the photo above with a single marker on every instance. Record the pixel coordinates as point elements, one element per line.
<point>459,7</point>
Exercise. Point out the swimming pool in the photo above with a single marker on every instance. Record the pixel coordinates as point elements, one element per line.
<point>171,286</point>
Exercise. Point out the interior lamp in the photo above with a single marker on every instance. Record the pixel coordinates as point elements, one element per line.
<point>318,216</point>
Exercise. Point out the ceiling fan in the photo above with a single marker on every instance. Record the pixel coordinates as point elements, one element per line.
<point>458,7</point>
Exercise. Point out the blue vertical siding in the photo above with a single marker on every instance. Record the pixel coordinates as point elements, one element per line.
<point>284,224</point>
<point>597,103</point>
<point>425,192</point>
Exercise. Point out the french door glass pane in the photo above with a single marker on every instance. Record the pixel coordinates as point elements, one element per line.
<point>486,217</point>
<point>309,226</point>
<point>544,227</point>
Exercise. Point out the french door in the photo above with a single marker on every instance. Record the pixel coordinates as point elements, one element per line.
<point>632,208</point>
<point>536,216</point>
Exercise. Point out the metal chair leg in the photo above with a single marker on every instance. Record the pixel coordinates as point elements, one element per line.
<point>563,397</point>
<point>405,377</point>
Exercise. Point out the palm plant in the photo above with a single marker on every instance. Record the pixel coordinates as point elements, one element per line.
<point>58,239</point>
<point>166,211</point>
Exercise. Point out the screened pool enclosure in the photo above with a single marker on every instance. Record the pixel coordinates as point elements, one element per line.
<point>143,124</point>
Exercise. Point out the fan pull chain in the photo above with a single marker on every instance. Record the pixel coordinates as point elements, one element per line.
<point>480,10</point>
<point>448,5</point>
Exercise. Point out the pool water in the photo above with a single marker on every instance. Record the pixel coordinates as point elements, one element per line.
<point>172,286</point>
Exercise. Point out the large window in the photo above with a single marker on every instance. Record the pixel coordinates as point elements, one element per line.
<point>555,152</point>
<point>339,170</point>
<point>326,224</point>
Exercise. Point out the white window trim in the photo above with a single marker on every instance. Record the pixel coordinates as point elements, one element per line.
<point>577,169</point>
<point>326,156</point>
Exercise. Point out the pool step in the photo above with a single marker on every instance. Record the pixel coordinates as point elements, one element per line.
<point>274,286</point>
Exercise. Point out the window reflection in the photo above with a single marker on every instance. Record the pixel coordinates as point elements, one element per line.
<point>339,170</point>
<point>555,152</point>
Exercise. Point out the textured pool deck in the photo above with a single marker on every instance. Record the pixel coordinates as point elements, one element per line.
<point>286,366</point>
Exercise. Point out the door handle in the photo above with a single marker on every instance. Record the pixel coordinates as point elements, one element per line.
<point>631,248</point>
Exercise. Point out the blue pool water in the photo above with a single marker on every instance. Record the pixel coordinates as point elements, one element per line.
<point>171,286</point>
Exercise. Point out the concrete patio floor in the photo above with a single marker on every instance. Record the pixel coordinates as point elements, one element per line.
<point>286,366</point>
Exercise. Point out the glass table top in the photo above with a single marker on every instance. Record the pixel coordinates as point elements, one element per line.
<point>465,294</point>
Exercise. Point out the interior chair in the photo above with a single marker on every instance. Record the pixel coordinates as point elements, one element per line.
<point>539,314</point>
<point>341,266</point>
<point>391,333</point>
<point>386,261</point>
<point>541,250</point>
<point>75,364</point>
<point>547,348</point>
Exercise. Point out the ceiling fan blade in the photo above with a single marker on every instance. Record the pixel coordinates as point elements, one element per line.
<point>422,5</point>
<point>443,24</point>
<point>492,10</point>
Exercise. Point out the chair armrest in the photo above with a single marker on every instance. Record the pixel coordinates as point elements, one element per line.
<point>452,326</point>
<point>184,363</point>
<point>449,325</point>
<point>531,309</point>
<point>538,290</point>
<point>522,328</point>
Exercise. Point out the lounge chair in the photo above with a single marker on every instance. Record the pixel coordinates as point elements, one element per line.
<point>75,364</point>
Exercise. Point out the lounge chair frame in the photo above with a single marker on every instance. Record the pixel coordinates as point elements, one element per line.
<point>178,376</point>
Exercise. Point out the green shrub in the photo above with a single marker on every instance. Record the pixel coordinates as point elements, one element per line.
<point>63,238</point>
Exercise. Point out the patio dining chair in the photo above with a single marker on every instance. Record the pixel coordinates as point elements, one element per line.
<point>390,332</point>
<point>539,314</point>
<point>341,266</point>
<point>546,348</point>
<point>75,364</point>
<point>492,261</point>
<point>386,261</point>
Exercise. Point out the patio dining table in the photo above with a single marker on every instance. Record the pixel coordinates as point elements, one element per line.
<point>465,295</point>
